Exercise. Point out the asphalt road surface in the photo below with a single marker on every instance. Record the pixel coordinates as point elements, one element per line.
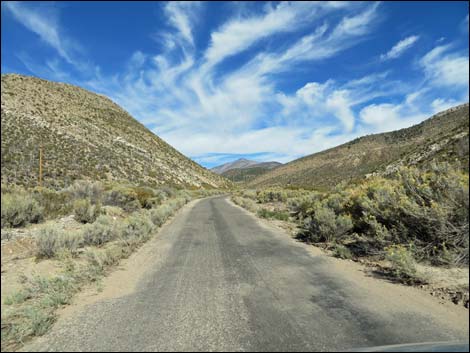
<point>229,283</point>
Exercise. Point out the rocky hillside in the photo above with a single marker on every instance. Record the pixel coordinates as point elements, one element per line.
<point>84,136</point>
<point>244,170</point>
<point>443,137</point>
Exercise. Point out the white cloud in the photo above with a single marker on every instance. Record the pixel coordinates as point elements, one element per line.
<point>399,48</point>
<point>43,21</point>
<point>444,68</point>
<point>181,15</point>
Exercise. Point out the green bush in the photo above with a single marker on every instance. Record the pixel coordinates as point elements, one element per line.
<point>103,230</point>
<point>85,212</point>
<point>19,209</point>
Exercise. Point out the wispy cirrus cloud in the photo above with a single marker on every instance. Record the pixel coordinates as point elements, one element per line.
<point>399,48</point>
<point>44,22</point>
<point>212,112</point>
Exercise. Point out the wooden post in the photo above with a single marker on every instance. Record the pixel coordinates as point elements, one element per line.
<point>40,166</point>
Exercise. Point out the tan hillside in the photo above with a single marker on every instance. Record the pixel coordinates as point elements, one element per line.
<point>443,137</point>
<point>84,135</point>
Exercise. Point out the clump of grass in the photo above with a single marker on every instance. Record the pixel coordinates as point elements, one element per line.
<point>19,209</point>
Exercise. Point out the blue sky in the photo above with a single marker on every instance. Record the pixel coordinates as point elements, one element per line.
<point>261,80</point>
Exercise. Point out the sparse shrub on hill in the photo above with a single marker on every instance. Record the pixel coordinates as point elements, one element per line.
<point>19,209</point>
<point>84,211</point>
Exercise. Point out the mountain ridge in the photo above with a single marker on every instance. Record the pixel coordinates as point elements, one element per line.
<point>84,135</point>
<point>443,136</point>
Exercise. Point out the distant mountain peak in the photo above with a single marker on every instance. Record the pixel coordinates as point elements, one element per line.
<point>243,163</point>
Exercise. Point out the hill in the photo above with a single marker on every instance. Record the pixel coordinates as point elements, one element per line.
<point>243,170</point>
<point>84,136</point>
<point>443,137</point>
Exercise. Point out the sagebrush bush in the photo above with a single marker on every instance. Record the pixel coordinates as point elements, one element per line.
<point>138,225</point>
<point>103,230</point>
<point>277,214</point>
<point>84,189</point>
<point>51,240</point>
<point>324,225</point>
<point>86,212</point>
<point>402,261</point>
<point>427,208</point>
<point>159,215</point>
<point>248,204</point>
<point>19,209</point>
<point>124,197</point>
<point>55,203</point>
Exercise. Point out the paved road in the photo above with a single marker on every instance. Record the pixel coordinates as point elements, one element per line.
<point>228,283</point>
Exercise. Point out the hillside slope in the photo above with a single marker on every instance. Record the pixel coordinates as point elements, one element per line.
<point>442,137</point>
<point>84,135</point>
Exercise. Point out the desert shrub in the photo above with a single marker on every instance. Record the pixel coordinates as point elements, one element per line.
<point>271,195</point>
<point>428,208</point>
<point>169,191</point>
<point>19,209</point>
<point>84,211</point>
<point>137,225</point>
<point>55,203</point>
<point>277,214</point>
<point>103,230</point>
<point>402,262</point>
<point>248,204</point>
<point>144,195</point>
<point>301,206</point>
<point>250,194</point>
<point>124,197</point>
<point>324,225</point>
<point>84,189</point>
<point>159,215</point>
<point>183,194</point>
<point>51,240</point>
<point>342,252</point>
